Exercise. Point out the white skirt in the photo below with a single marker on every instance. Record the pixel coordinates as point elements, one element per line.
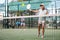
<point>41,20</point>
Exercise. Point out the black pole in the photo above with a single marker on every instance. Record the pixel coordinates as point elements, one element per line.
<point>4,16</point>
<point>29,1</point>
<point>5,20</point>
<point>56,13</point>
<point>7,11</point>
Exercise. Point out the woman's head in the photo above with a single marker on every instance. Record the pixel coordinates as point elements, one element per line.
<point>42,6</point>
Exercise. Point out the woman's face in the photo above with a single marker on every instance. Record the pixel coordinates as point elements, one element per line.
<point>42,7</point>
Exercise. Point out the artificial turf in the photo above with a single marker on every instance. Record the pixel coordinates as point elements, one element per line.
<point>28,34</point>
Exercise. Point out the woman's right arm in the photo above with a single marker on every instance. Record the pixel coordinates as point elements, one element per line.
<point>35,11</point>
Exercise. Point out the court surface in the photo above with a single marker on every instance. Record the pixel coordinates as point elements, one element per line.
<point>28,34</point>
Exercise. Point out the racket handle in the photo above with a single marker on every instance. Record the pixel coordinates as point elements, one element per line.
<point>30,10</point>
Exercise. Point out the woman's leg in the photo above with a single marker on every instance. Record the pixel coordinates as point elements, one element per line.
<point>39,27</point>
<point>43,25</point>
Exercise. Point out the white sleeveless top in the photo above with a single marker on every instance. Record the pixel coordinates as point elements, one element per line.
<point>42,12</point>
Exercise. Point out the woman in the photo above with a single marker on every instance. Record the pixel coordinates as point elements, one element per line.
<point>41,21</point>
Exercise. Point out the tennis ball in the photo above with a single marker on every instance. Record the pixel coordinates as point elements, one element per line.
<point>22,4</point>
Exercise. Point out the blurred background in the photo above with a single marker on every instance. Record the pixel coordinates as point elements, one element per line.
<point>11,8</point>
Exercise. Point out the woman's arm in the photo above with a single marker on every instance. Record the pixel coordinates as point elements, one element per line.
<point>35,11</point>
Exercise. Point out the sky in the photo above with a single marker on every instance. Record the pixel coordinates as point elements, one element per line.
<point>2,1</point>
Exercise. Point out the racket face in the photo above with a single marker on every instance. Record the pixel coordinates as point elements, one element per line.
<point>28,6</point>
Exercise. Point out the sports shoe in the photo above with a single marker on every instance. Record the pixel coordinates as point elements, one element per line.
<point>42,36</point>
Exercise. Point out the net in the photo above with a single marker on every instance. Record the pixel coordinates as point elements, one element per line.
<point>31,21</point>
<point>31,16</point>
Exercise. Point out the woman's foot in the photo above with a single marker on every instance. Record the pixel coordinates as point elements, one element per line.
<point>38,34</point>
<point>42,36</point>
